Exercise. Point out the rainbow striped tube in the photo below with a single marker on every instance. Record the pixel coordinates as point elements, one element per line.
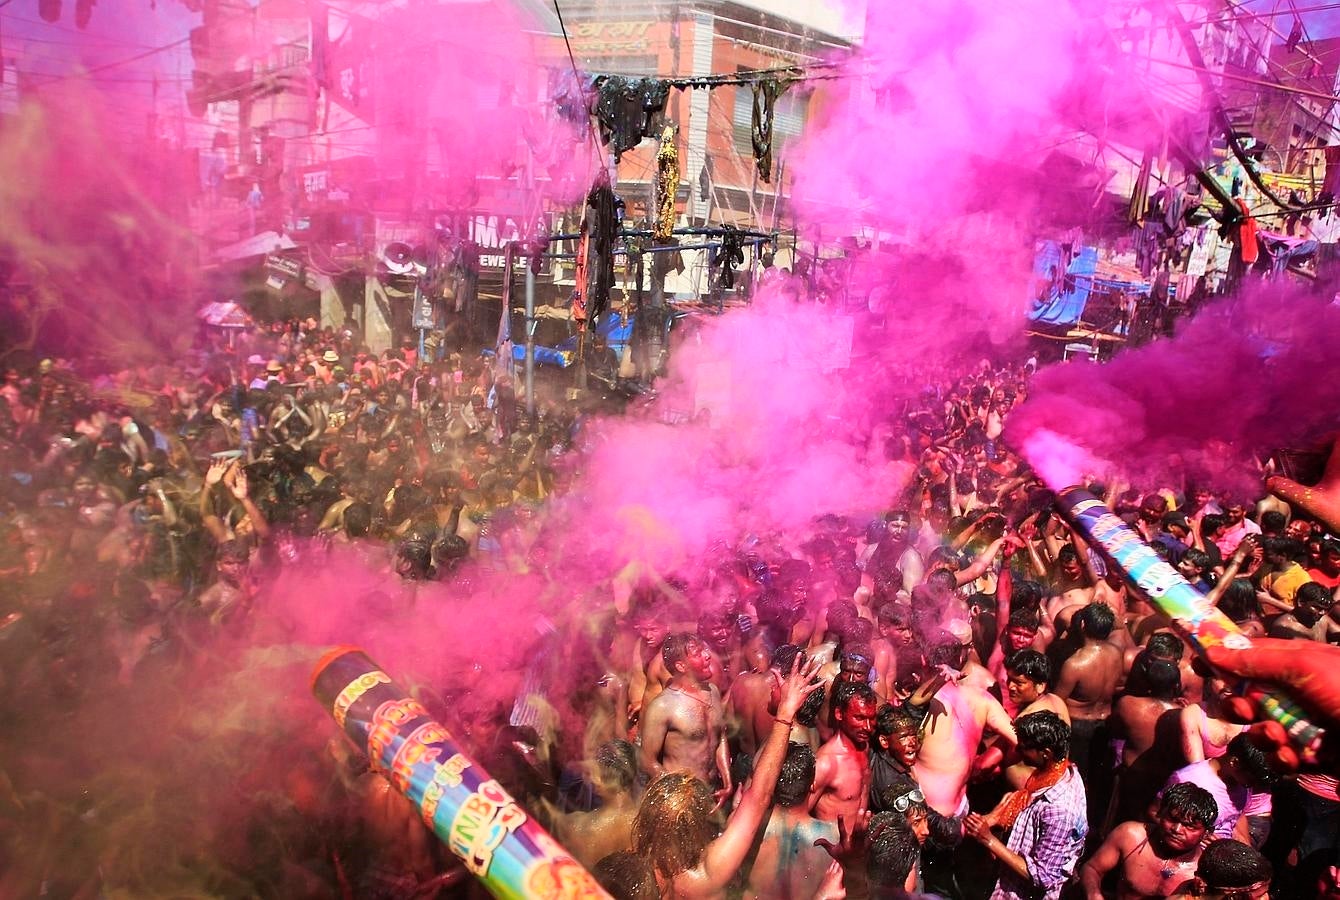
<point>1204,625</point>
<point>503,846</point>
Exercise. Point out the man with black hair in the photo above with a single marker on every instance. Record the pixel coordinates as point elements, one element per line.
<point>896,551</point>
<point>1230,779</point>
<point>1308,621</point>
<point>1046,818</point>
<point>1231,870</point>
<point>1087,683</point>
<point>842,766</point>
<point>891,860</point>
<point>893,751</point>
<point>1029,676</point>
<point>894,647</point>
<point>1194,566</point>
<point>754,697</point>
<point>1325,568</point>
<point>1284,557</point>
<point>788,862</point>
<point>683,727</point>
<point>1158,858</point>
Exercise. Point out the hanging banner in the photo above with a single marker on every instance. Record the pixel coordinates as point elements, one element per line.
<point>423,316</point>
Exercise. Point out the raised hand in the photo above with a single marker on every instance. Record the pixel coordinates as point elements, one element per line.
<point>797,686</point>
<point>854,838</point>
<point>240,485</point>
<point>1307,671</point>
<point>217,469</point>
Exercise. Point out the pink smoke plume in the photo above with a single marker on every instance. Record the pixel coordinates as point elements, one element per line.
<point>463,90</point>
<point>1245,377</point>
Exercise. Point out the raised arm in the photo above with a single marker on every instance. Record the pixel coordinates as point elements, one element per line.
<point>980,565</point>
<point>725,855</point>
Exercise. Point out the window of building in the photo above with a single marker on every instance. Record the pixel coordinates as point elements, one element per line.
<point>788,119</point>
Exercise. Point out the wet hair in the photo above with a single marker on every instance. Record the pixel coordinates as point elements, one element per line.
<point>944,649</point>
<point>784,657</point>
<point>417,554</point>
<point>1165,645</point>
<point>1227,864</point>
<point>1191,802</point>
<point>1044,730</point>
<point>1211,523</point>
<point>856,630</point>
<point>893,851</point>
<point>1026,594</point>
<point>357,519</point>
<point>1272,521</point>
<point>1239,601</point>
<point>1314,595</point>
<point>1097,620</point>
<point>1027,618</point>
<point>808,714</point>
<point>616,762</point>
<point>899,614</point>
<point>942,581</point>
<point>1251,759</point>
<point>890,719</point>
<point>1067,554</point>
<point>901,785</point>
<point>675,648</point>
<point>626,875</point>
<point>673,825</point>
<point>1153,676</point>
<point>796,777</point>
<point>843,693</point>
<point>1032,665</point>
<point>1286,547</point>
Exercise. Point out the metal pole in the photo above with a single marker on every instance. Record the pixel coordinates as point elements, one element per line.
<point>530,339</point>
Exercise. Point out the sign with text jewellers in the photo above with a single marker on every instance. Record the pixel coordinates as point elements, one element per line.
<point>492,233</point>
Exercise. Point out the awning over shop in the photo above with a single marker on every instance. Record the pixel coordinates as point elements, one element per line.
<point>256,245</point>
<point>1064,294</point>
<point>224,315</point>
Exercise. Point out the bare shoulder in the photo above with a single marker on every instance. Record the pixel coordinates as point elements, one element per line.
<point>1127,835</point>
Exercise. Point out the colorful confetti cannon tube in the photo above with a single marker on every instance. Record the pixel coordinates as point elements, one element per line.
<point>510,853</point>
<point>1204,625</point>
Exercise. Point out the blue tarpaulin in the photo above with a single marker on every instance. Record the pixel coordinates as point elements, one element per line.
<point>1065,297</point>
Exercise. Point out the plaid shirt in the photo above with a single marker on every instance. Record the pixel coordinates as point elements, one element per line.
<point>1049,835</point>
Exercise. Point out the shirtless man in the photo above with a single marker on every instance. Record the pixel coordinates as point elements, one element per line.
<point>716,631</point>
<point>789,863</point>
<point>1087,683</point>
<point>1147,719</point>
<point>958,717</point>
<point>894,649</point>
<point>842,766</point>
<point>1157,859</point>
<point>754,697</point>
<point>608,828</point>
<point>1028,677</point>
<point>1308,620</point>
<point>736,651</point>
<point>683,726</point>
<point>639,655</point>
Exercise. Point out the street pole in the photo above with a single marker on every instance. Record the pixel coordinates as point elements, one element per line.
<point>530,339</point>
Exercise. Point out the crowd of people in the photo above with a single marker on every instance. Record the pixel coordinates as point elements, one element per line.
<point>953,695</point>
